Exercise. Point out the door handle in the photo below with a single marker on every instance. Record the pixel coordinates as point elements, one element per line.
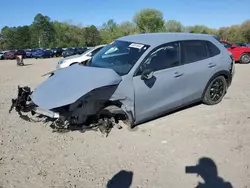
<point>210,65</point>
<point>178,74</point>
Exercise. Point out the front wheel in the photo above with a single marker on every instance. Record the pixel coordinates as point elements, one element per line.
<point>245,58</point>
<point>215,91</point>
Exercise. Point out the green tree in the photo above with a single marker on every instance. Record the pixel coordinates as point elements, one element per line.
<point>223,33</point>
<point>127,28</point>
<point>43,30</point>
<point>199,29</point>
<point>92,36</point>
<point>245,30</point>
<point>109,31</point>
<point>174,26</point>
<point>10,37</point>
<point>149,20</point>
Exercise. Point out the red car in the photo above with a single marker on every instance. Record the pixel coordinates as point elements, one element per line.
<point>9,55</point>
<point>240,53</point>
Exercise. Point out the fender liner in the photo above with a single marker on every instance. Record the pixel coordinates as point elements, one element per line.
<point>73,63</point>
<point>224,73</point>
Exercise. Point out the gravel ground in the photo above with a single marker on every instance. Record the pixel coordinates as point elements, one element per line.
<point>153,155</point>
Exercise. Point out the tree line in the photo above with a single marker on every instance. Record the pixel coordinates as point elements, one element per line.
<point>45,33</point>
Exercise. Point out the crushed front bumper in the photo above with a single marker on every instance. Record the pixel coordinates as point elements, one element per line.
<point>24,104</point>
<point>47,113</point>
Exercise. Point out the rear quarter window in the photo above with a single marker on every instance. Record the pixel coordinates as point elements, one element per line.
<point>194,50</point>
<point>212,49</point>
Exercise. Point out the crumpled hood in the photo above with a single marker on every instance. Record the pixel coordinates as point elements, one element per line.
<point>69,84</point>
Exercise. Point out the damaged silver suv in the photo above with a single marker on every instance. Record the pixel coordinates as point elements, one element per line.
<point>134,79</point>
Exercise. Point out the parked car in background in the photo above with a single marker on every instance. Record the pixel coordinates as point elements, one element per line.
<point>81,50</point>
<point>83,58</point>
<point>240,44</point>
<point>33,52</point>
<point>20,52</point>
<point>9,54</point>
<point>43,54</point>
<point>248,45</point>
<point>49,52</point>
<point>241,54</point>
<point>57,52</point>
<point>1,56</point>
<point>28,53</point>
<point>69,52</point>
<point>135,79</point>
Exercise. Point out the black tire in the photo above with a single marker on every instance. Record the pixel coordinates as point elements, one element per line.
<point>215,91</point>
<point>245,58</point>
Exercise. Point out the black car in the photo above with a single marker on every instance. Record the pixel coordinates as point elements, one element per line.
<point>81,50</point>
<point>57,52</point>
<point>20,52</point>
<point>69,52</point>
<point>240,44</point>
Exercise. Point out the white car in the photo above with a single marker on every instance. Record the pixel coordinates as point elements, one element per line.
<point>68,61</point>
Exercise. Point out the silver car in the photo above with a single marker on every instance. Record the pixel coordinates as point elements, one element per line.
<point>134,79</point>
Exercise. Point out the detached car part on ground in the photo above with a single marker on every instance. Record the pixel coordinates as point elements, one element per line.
<point>134,79</point>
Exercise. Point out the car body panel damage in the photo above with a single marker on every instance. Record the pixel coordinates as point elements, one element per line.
<point>80,96</point>
<point>66,86</point>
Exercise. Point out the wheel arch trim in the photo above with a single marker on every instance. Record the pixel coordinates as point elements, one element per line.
<point>224,73</point>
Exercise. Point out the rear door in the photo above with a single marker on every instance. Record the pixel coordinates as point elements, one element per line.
<point>198,68</point>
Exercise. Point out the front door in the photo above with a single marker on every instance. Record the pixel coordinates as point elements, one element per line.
<point>164,91</point>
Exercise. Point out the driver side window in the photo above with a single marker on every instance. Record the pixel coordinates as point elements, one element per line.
<point>164,57</point>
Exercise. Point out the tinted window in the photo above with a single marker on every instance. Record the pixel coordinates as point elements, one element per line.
<point>212,49</point>
<point>164,57</point>
<point>194,50</point>
<point>96,50</point>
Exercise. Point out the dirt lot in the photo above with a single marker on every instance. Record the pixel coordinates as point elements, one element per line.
<point>156,153</point>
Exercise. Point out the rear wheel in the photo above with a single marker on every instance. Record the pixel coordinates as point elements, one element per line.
<point>245,58</point>
<point>215,91</point>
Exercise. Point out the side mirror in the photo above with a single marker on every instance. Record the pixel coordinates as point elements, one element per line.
<point>147,74</point>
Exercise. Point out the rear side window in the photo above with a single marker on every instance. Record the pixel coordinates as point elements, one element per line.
<point>194,50</point>
<point>212,49</point>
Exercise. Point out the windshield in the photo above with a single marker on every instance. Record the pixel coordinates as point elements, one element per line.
<point>119,56</point>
